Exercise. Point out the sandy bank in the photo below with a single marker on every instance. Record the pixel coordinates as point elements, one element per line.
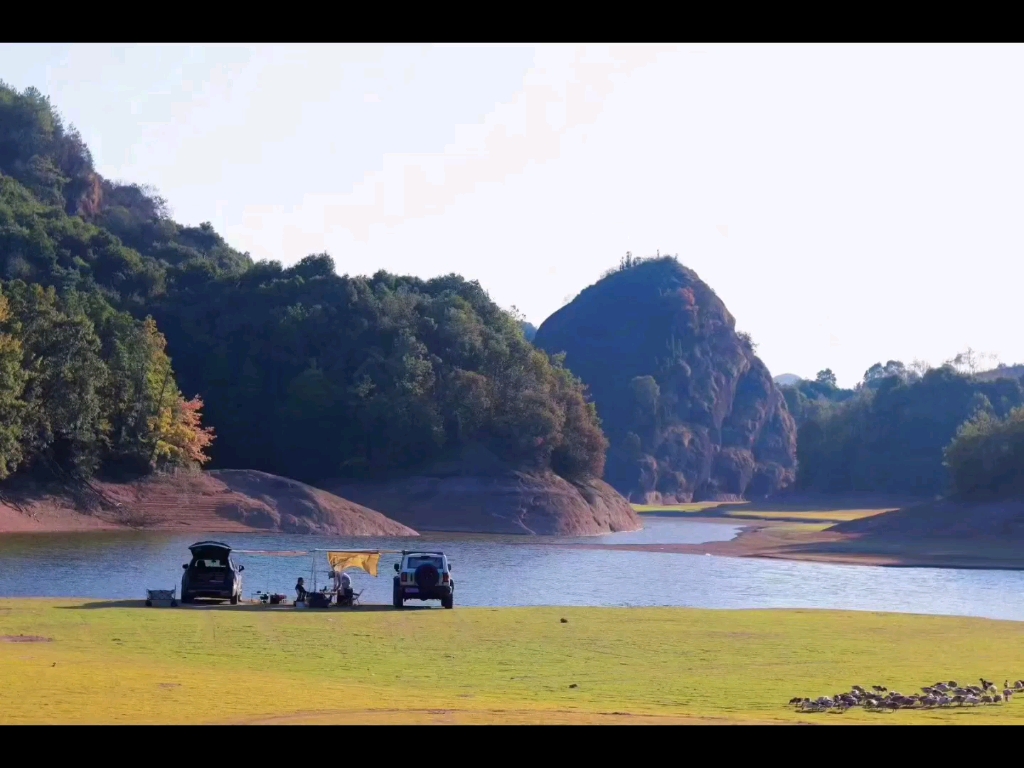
<point>904,537</point>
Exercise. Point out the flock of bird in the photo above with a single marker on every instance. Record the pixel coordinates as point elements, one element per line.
<point>881,699</point>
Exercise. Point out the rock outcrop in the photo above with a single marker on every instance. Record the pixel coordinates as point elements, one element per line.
<point>691,412</point>
<point>476,493</point>
<point>232,500</point>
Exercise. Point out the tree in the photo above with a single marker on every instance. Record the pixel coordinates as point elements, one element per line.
<point>646,398</point>
<point>965,362</point>
<point>744,337</point>
<point>178,435</point>
<point>12,384</point>
<point>82,387</point>
<point>877,373</point>
<point>986,457</point>
<point>826,377</point>
<point>890,438</point>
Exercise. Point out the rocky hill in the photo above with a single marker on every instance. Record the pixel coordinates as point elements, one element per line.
<point>474,491</point>
<point>690,411</point>
<point>516,503</point>
<point>204,502</point>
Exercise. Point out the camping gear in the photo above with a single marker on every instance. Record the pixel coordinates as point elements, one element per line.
<point>349,599</point>
<point>162,598</point>
<point>319,600</point>
<point>337,560</point>
<point>365,561</point>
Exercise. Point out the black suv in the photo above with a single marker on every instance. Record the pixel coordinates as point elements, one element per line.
<point>211,573</point>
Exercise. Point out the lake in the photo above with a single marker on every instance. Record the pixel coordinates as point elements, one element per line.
<point>519,571</point>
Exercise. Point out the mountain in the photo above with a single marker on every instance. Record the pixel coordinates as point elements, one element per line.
<point>690,411</point>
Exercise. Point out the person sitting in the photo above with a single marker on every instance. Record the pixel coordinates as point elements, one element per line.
<point>346,594</point>
<point>300,591</point>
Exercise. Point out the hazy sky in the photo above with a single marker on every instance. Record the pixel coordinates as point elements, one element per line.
<point>850,204</point>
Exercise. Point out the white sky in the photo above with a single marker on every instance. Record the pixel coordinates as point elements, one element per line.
<point>850,204</point>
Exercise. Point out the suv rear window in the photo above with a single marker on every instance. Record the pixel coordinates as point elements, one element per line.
<point>416,562</point>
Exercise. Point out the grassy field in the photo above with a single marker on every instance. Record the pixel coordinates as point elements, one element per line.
<point>746,511</point>
<point>823,516</point>
<point>64,661</point>
<point>684,509</point>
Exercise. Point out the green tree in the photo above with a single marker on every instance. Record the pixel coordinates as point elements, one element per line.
<point>12,384</point>
<point>986,458</point>
<point>826,377</point>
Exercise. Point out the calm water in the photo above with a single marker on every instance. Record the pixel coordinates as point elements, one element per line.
<point>514,570</point>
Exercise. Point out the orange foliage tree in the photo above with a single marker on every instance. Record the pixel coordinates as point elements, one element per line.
<point>180,436</point>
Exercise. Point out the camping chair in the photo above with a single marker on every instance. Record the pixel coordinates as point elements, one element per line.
<point>349,601</point>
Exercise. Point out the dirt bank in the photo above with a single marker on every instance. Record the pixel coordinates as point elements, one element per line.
<point>211,502</point>
<point>510,502</point>
<point>938,534</point>
<point>945,519</point>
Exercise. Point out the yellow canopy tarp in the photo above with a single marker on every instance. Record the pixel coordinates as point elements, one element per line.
<point>366,561</point>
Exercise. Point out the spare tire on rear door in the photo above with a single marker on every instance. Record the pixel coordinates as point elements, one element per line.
<point>427,576</point>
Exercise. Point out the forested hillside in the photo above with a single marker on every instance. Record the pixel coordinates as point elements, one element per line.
<point>891,434</point>
<point>304,372</point>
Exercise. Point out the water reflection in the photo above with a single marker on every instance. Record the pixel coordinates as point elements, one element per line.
<point>512,570</point>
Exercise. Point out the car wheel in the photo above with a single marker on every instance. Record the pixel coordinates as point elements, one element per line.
<point>149,603</point>
<point>187,598</point>
<point>448,602</point>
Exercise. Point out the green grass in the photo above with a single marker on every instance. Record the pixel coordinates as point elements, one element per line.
<point>824,516</point>
<point>737,510</point>
<point>137,665</point>
<point>682,509</point>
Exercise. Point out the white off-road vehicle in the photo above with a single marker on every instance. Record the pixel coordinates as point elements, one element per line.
<point>424,576</point>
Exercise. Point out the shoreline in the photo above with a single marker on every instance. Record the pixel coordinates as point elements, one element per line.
<point>776,532</point>
<point>787,539</point>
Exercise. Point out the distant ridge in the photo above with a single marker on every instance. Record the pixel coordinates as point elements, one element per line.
<point>1002,372</point>
<point>787,379</point>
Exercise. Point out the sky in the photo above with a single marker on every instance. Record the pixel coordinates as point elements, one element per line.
<point>850,204</point>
